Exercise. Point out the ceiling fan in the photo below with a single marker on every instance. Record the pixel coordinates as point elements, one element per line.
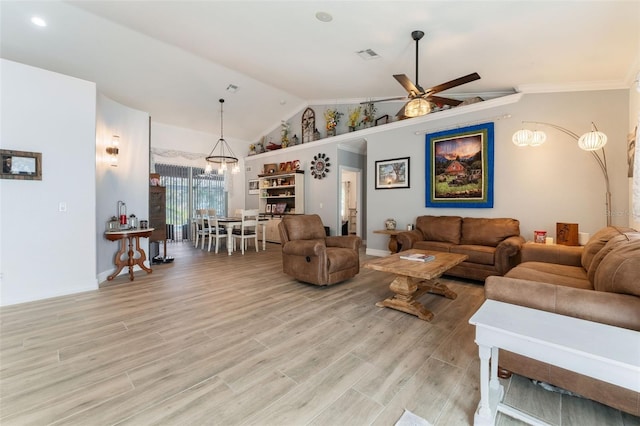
<point>420,99</point>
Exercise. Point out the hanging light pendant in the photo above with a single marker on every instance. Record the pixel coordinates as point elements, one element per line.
<point>593,140</point>
<point>221,153</point>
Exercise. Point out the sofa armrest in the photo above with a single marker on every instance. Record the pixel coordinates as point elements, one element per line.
<point>345,241</point>
<point>552,253</point>
<point>620,310</point>
<point>407,239</point>
<point>304,248</point>
<point>508,253</point>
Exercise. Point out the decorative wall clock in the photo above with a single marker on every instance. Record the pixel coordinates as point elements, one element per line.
<point>308,125</point>
<point>320,166</point>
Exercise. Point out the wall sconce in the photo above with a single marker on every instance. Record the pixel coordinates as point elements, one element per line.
<point>593,142</point>
<point>113,150</point>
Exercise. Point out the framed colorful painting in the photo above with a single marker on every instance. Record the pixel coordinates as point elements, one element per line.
<point>459,167</point>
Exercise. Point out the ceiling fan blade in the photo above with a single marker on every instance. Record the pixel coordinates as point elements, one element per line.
<point>453,83</point>
<point>400,113</point>
<point>397,98</point>
<point>443,101</point>
<point>407,84</point>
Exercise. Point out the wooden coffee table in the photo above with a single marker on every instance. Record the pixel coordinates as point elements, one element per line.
<point>415,278</point>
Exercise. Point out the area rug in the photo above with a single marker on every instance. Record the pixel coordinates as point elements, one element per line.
<point>410,419</point>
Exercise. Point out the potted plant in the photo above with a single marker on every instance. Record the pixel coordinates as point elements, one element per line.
<point>332,118</point>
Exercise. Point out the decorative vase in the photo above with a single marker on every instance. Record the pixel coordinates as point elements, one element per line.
<point>352,128</point>
<point>316,135</point>
<point>390,224</point>
<point>331,132</point>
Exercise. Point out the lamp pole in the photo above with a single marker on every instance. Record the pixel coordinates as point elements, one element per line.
<point>601,160</point>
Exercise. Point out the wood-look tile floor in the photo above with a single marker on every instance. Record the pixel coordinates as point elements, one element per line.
<point>231,340</point>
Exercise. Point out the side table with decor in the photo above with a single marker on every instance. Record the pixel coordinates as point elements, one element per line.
<point>394,247</point>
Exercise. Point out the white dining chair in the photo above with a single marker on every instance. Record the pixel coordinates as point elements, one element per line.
<point>197,226</point>
<point>248,229</point>
<point>215,231</point>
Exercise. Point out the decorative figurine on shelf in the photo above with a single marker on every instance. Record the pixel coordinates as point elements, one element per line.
<point>252,149</point>
<point>390,224</point>
<point>295,140</point>
<point>316,135</point>
<point>369,115</point>
<point>332,118</point>
<point>354,118</point>
<point>284,133</point>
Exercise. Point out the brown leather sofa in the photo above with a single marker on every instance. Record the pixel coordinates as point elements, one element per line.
<point>310,256</point>
<point>493,245</point>
<point>598,282</point>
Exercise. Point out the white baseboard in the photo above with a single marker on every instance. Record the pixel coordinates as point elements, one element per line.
<point>375,252</point>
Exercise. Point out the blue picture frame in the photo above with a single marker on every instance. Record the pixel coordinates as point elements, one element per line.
<point>459,167</point>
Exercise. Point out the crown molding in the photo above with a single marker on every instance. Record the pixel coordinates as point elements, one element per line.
<point>573,87</point>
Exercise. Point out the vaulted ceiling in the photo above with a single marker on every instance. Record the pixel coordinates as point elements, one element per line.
<point>175,59</point>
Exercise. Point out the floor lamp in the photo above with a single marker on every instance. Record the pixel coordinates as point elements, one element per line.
<point>593,141</point>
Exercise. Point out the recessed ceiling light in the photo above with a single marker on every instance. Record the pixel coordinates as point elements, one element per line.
<point>324,17</point>
<point>36,20</point>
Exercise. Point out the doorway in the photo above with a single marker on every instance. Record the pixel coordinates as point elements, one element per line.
<point>349,216</point>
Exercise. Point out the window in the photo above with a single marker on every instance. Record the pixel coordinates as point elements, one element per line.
<point>188,189</point>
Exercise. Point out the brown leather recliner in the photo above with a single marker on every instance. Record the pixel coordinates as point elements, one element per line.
<point>312,257</point>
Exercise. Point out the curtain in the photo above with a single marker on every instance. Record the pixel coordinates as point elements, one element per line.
<point>188,189</point>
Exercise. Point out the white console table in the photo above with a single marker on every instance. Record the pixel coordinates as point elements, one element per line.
<point>604,352</point>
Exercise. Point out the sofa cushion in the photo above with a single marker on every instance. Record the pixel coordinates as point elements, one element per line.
<point>552,273</point>
<point>619,271</point>
<point>482,255</point>
<point>304,227</point>
<point>433,245</point>
<point>440,228</point>
<point>598,241</point>
<point>608,247</point>
<point>488,232</point>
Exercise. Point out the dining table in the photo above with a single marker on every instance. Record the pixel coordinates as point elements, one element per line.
<point>230,221</point>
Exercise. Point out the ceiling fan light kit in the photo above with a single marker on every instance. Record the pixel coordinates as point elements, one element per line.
<point>420,100</point>
<point>417,107</point>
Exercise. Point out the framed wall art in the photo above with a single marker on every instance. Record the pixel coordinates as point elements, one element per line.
<point>21,165</point>
<point>392,174</point>
<point>254,186</point>
<point>459,167</point>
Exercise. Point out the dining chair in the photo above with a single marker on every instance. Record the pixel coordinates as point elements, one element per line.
<point>216,232</point>
<point>248,228</point>
<point>197,226</point>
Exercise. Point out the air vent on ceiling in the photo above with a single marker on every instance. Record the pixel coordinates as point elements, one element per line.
<point>232,88</point>
<point>368,54</point>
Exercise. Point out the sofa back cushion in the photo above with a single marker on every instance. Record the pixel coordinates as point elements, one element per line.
<point>598,241</point>
<point>488,232</point>
<point>440,228</point>
<point>619,271</point>
<point>304,227</point>
<point>606,249</point>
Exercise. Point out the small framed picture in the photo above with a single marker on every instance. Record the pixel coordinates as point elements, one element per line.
<point>268,208</point>
<point>21,165</point>
<point>392,173</point>
<point>254,186</point>
<point>273,208</point>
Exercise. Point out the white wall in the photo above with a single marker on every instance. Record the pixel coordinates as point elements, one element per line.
<point>45,252</point>
<point>129,182</point>
<point>634,120</point>
<point>199,145</point>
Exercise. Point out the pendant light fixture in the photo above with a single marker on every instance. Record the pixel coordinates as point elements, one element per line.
<point>221,153</point>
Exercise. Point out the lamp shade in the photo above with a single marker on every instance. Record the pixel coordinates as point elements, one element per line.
<point>522,137</point>
<point>592,141</point>
<point>417,107</point>
<point>538,138</point>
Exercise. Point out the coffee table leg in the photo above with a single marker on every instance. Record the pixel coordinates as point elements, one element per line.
<point>404,288</point>
<point>436,287</point>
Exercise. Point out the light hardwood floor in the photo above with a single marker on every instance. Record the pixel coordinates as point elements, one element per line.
<point>231,340</point>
